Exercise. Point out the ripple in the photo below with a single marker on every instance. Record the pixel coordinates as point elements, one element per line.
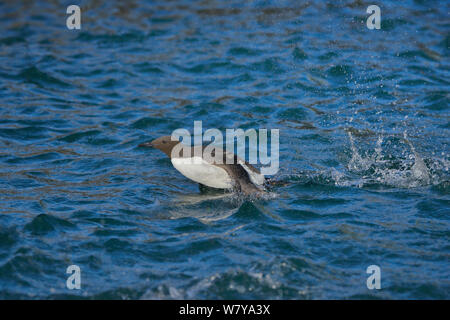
<point>364,155</point>
<point>40,78</point>
<point>44,224</point>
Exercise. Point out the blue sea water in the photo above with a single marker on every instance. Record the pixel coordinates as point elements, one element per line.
<point>364,149</point>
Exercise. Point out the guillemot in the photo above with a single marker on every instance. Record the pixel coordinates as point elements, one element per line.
<point>231,173</point>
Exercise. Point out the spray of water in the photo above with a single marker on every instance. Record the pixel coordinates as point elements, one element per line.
<point>379,165</point>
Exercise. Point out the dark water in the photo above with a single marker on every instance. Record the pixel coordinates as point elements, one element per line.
<point>364,146</point>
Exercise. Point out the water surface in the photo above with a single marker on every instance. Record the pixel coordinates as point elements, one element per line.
<point>364,125</point>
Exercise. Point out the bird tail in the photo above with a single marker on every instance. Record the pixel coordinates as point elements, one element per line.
<point>271,183</point>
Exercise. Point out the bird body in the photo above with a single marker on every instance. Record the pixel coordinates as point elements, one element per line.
<point>230,173</point>
<point>203,172</point>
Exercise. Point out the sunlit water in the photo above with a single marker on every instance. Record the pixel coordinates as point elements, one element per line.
<point>364,149</point>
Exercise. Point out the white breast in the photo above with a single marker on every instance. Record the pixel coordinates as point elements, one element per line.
<point>202,172</point>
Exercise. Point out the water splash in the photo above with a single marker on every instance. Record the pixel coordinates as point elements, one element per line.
<point>387,168</point>
<point>381,165</point>
<point>357,162</point>
<point>419,169</point>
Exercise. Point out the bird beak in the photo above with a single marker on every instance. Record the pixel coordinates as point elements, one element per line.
<point>146,144</point>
